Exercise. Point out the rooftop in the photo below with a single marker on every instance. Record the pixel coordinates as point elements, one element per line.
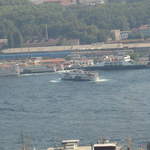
<point>70,141</point>
<point>73,145</point>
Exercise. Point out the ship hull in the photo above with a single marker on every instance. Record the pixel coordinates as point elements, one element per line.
<point>8,75</point>
<point>76,78</point>
<point>35,71</point>
<point>7,72</point>
<point>129,67</point>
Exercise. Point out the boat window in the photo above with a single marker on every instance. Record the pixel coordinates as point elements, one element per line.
<point>105,148</point>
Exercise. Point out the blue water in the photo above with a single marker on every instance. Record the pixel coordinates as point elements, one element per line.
<point>49,110</point>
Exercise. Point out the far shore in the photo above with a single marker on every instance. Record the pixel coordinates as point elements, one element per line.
<point>99,46</point>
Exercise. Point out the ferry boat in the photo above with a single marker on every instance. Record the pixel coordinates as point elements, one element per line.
<point>74,145</point>
<point>80,75</point>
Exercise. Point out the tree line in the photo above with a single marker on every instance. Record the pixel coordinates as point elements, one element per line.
<point>20,20</point>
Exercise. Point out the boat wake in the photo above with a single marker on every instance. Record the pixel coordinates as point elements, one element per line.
<point>97,80</point>
<point>55,81</point>
<point>22,75</point>
<point>101,80</point>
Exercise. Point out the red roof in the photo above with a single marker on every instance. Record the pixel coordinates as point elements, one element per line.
<point>56,60</point>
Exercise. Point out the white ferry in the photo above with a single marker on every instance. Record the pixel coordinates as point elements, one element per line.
<point>80,75</point>
<point>74,145</point>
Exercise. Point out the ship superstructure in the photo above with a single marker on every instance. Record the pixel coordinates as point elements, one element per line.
<point>116,63</point>
<point>74,145</point>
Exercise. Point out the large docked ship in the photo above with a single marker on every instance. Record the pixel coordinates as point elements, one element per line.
<point>119,63</point>
<point>80,75</point>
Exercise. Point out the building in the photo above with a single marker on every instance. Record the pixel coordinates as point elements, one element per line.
<point>120,35</point>
<point>3,42</point>
<point>91,2</point>
<point>71,2</point>
<point>116,35</point>
<point>61,2</point>
<point>124,35</point>
<point>82,62</point>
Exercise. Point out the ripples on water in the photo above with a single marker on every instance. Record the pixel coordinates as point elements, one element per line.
<point>50,110</point>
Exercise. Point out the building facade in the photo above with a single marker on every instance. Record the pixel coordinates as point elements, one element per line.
<point>61,2</point>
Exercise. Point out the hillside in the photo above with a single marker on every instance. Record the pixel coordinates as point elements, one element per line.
<point>22,21</point>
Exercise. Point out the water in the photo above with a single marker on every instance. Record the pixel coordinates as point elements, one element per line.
<point>49,110</point>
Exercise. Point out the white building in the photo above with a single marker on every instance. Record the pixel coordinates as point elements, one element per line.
<point>91,2</point>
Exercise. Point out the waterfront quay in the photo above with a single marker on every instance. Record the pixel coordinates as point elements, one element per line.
<point>63,51</point>
<point>61,57</point>
<point>96,46</point>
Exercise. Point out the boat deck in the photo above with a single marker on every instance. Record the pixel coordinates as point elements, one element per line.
<point>78,148</point>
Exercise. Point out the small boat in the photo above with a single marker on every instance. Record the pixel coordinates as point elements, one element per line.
<point>80,75</point>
